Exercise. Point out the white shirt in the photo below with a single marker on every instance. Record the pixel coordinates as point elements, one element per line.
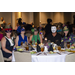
<point>11,41</point>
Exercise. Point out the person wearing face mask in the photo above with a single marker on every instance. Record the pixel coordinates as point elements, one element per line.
<point>66,36</point>
<point>37,38</point>
<point>73,36</point>
<point>21,37</point>
<point>54,36</point>
<point>7,44</point>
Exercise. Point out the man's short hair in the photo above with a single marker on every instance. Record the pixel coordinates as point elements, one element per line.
<point>53,25</point>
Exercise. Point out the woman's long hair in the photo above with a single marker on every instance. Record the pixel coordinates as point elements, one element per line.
<point>64,33</point>
<point>67,35</point>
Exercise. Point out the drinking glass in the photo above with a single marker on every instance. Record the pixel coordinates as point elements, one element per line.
<point>21,43</point>
<point>65,44</point>
<point>27,48</point>
<point>68,44</point>
<point>30,42</point>
<point>42,49</point>
<point>59,48</point>
<point>33,42</point>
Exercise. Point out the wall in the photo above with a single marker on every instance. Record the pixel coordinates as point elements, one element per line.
<point>55,16</point>
<point>6,16</point>
<point>67,17</point>
<point>36,18</point>
<point>25,17</point>
<point>44,16</point>
<point>28,17</point>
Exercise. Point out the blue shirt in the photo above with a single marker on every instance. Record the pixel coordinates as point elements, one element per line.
<point>22,40</point>
<point>59,30</point>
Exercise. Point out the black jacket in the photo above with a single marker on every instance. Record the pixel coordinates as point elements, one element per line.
<point>56,39</point>
<point>47,29</point>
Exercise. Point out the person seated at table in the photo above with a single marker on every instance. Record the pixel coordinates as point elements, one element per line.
<point>59,30</point>
<point>66,36</point>
<point>36,37</point>
<point>7,44</point>
<point>72,36</point>
<point>21,38</point>
<point>54,36</point>
<point>41,31</point>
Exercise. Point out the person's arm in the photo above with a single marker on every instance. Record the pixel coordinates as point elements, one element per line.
<point>40,38</point>
<point>16,41</point>
<point>3,43</point>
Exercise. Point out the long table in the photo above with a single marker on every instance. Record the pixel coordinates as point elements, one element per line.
<point>48,58</point>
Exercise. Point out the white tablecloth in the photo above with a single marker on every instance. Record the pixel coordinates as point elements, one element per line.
<point>46,58</point>
<point>49,58</point>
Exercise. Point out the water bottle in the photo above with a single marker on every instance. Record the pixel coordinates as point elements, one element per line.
<point>14,48</point>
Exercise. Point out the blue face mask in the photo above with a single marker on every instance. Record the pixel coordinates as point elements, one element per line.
<point>22,29</point>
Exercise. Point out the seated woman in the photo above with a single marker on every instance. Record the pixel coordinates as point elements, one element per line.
<point>21,37</point>
<point>72,35</point>
<point>66,36</point>
<point>7,44</point>
<point>59,30</point>
<point>36,37</point>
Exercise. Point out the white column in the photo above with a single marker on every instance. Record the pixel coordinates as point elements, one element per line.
<point>39,18</point>
<point>31,17</point>
<point>13,20</point>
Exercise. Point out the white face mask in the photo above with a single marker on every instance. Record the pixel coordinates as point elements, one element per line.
<point>53,29</point>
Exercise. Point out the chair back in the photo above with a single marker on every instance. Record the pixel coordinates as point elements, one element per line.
<point>1,56</point>
<point>70,58</point>
<point>22,57</point>
<point>1,36</point>
<point>0,44</point>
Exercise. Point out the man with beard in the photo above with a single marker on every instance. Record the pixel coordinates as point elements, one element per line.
<point>54,36</point>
